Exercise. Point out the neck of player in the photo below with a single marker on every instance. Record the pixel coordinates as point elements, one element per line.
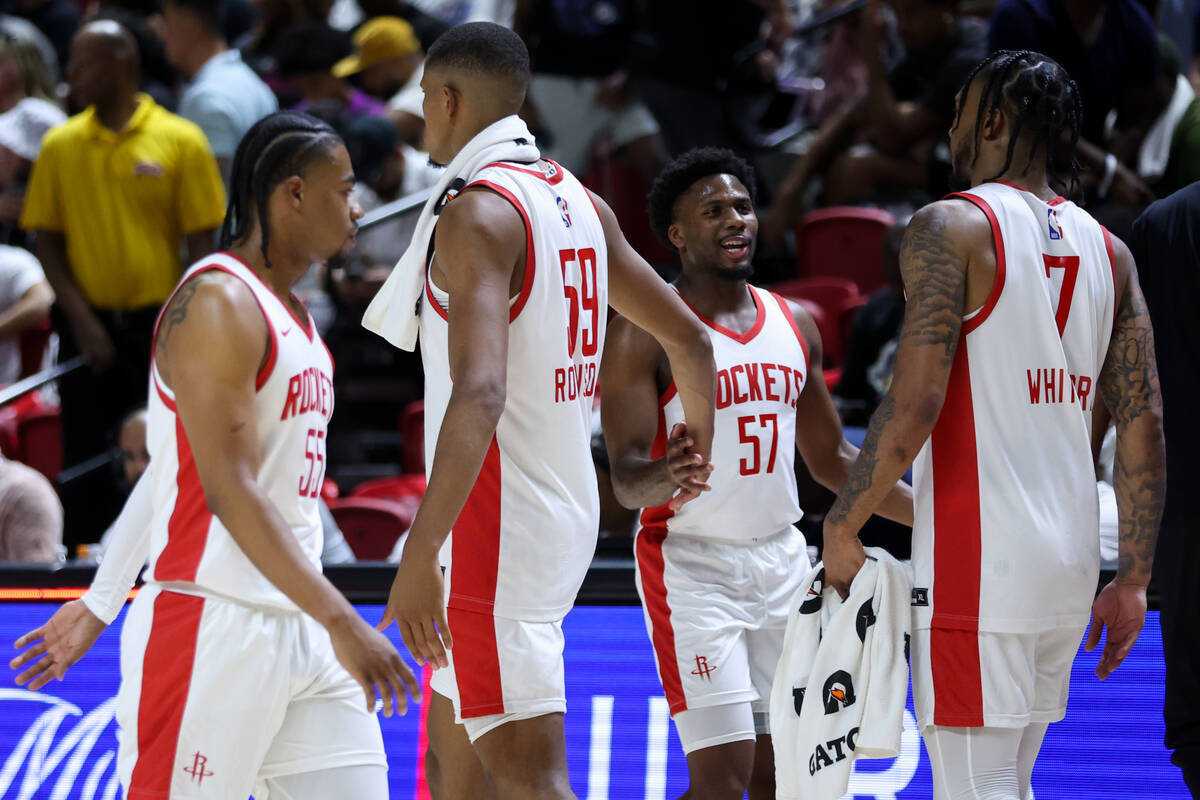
<point>286,268</point>
<point>1028,173</point>
<point>712,295</point>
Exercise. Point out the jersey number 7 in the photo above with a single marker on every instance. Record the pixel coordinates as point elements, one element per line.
<point>1070,267</point>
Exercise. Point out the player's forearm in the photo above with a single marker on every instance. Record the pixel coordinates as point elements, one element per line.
<point>642,482</point>
<point>127,546</point>
<point>896,434</point>
<point>31,309</point>
<point>1139,482</point>
<point>835,470</point>
<point>696,381</point>
<point>267,540</point>
<point>468,431</point>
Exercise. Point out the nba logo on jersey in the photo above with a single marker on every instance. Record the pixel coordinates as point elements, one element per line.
<point>1055,229</point>
<point>562,209</point>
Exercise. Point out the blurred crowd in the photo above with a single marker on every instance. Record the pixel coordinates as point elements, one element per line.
<point>119,120</point>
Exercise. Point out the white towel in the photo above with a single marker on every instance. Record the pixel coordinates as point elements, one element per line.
<point>394,312</point>
<point>842,680</point>
<point>1156,147</point>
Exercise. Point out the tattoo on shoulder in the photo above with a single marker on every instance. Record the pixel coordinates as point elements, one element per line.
<point>935,280</point>
<point>176,311</point>
<point>1129,378</point>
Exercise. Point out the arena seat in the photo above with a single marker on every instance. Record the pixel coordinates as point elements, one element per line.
<point>843,241</point>
<point>33,343</point>
<point>371,526</point>
<point>831,295</point>
<point>404,490</point>
<point>39,440</point>
<point>412,438</point>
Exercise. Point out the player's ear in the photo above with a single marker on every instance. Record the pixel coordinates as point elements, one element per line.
<point>294,190</point>
<point>994,123</point>
<point>675,236</point>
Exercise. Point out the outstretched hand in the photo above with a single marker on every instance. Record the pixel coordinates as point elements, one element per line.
<point>60,642</point>
<point>686,468</point>
<point>374,663</point>
<point>417,606</point>
<point>1122,608</point>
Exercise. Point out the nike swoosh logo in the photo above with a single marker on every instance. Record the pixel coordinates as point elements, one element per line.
<point>285,333</point>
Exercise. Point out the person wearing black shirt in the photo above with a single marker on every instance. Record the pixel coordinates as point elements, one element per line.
<point>1166,247</point>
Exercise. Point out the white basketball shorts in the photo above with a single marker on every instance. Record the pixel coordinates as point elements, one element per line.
<point>716,613</point>
<point>217,697</point>
<point>969,679</point>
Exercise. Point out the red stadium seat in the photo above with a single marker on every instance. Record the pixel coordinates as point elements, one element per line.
<point>330,491</point>
<point>826,326</point>
<point>404,490</point>
<point>846,318</point>
<point>412,438</point>
<point>832,296</point>
<point>371,526</point>
<point>843,241</point>
<point>39,440</point>
<point>625,192</point>
<point>33,343</point>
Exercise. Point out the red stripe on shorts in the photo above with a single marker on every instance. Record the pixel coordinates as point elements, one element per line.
<point>166,678</point>
<point>474,566</point>
<point>957,553</point>
<point>662,634</point>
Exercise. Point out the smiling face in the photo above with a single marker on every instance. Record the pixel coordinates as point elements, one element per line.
<point>715,227</point>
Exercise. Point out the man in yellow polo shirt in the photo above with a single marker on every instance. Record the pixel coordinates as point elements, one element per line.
<point>115,195</point>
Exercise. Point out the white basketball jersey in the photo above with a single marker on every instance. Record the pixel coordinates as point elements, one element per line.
<point>1007,522</point>
<point>524,540</point>
<point>191,551</point>
<point>760,374</point>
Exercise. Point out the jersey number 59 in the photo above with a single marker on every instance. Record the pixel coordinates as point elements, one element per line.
<point>581,299</point>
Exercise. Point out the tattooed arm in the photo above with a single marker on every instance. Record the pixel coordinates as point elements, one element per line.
<point>1129,386</point>
<point>941,239</point>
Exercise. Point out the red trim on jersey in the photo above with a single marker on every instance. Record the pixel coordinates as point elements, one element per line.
<point>997,284</point>
<point>309,328</point>
<point>166,679</point>
<point>1058,199</point>
<point>162,395</point>
<point>791,318</point>
<point>554,179</point>
<point>651,567</point>
<point>433,300</point>
<point>957,551</point>
<point>264,373</point>
<point>1112,265</point>
<point>187,530</point>
<point>740,338</point>
<point>476,661</point>
<point>530,256</point>
<point>475,548</point>
<point>667,396</point>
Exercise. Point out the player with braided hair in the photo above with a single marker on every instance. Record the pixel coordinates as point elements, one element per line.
<point>243,669</point>
<point>1023,313</point>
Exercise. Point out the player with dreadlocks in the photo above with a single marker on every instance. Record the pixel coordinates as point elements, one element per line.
<point>1023,313</point>
<point>243,668</point>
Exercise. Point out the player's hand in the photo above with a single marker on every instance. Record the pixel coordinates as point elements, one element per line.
<point>1122,608</point>
<point>372,661</point>
<point>843,557</point>
<point>685,467</point>
<point>417,606</point>
<point>60,642</point>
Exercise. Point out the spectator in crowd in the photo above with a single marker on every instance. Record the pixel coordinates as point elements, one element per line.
<point>387,65</point>
<point>581,88</point>
<point>1165,248</point>
<point>224,96</point>
<point>426,26</point>
<point>131,441</point>
<point>895,138</point>
<point>306,54</point>
<point>21,130</point>
<point>31,516</point>
<point>116,192</point>
<point>25,301</point>
<point>57,19</point>
<point>23,73</point>
<point>1109,47</point>
<point>158,77</point>
<point>871,353</point>
<point>275,17</point>
<point>1157,132</point>
<point>20,29</point>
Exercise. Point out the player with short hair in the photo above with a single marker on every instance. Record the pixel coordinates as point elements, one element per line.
<point>243,668</point>
<point>1023,313</point>
<point>524,262</point>
<point>717,575</point>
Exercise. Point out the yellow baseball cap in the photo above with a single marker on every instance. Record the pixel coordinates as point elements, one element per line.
<point>379,39</point>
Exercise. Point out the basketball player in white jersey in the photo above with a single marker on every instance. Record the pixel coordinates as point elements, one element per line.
<point>243,668</point>
<point>717,575</point>
<point>1023,313</point>
<point>524,263</point>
